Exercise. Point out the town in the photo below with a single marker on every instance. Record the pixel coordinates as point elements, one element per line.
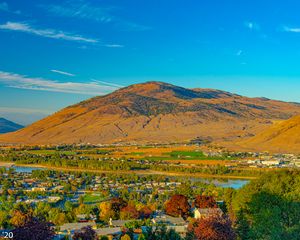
<point>72,201</point>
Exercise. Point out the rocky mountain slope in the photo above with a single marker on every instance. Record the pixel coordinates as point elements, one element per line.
<point>156,112</point>
<point>281,137</point>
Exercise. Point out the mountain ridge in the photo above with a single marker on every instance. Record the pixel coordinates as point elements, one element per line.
<point>282,136</point>
<point>156,112</point>
<point>8,126</point>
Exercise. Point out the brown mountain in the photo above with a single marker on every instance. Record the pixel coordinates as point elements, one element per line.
<point>156,112</point>
<point>283,136</point>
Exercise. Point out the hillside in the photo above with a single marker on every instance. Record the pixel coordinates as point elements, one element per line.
<point>8,126</point>
<point>156,112</point>
<point>280,137</point>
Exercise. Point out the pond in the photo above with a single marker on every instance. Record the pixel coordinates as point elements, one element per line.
<point>25,169</point>
<point>225,183</point>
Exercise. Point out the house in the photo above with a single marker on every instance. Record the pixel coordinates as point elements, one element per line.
<point>206,212</point>
<point>72,227</point>
<point>181,230</point>
<point>109,232</point>
<point>85,217</point>
<point>118,223</point>
<point>168,220</point>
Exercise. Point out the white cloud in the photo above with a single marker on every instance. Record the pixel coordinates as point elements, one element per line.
<point>63,73</point>
<point>239,53</point>
<point>107,83</point>
<point>114,45</point>
<point>4,7</point>
<point>252,25</point>
<point>49,33</point>
<point>289,29</point>
<point>84,10</point>
<point>14,80</point>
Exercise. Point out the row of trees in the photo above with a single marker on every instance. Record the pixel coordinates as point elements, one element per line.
<point>109,163</point>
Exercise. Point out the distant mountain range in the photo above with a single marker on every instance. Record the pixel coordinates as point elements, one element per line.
<point>8,126</point>
<point>156,112</point>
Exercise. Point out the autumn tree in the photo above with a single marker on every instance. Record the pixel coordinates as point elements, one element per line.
<point>116,205</point>
<point>35,230</point>
<point>212,228</point>
<point>19,218</point>
<point>125,237</point>
<point>129,212</point>
<point>178,205</point>
<point>205,202</point>
<point>145,212</point>
<point>105,211</point>
<point>85,233</point>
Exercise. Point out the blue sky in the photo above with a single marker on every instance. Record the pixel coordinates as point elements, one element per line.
<point>56,53</point>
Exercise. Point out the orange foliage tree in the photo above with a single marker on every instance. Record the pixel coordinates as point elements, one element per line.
<point>212,228</point>
<point>129,212</point>
<point>178,205</point>
<point>205,202</point>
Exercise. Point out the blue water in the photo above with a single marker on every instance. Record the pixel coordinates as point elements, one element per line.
<point>25,169</point>
<point>225,183</point>
<point>230,183</point>
<point>235,184</point>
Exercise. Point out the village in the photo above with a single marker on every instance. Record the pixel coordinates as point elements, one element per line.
<point>77,200</point>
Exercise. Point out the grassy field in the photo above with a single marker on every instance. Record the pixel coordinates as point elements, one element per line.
<point>93,198</point>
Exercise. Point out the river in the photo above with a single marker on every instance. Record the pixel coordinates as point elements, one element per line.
<point>226,183</point>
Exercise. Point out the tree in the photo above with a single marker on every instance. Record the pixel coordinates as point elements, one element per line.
<point>57,217</point>
<point>116,205</point>
<point>125,237</point>
<point>105,211</point>
<point>142,237</point>
<point>145,212</point>
<point>3,219</point>
<point>212,228</point>
<point>104,238</point>
<point>205,202</point>
<point>160,233</point>
<point>85,233</point>
<point>34,229</point>
<point>19,219</point>
<point>178,205</point>
<point>242,228</point>
<point>129,212</point>
<point>270,206</point>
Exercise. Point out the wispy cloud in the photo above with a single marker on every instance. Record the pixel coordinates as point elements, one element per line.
<point>4,7</point>
<point>63,73</point>
<point>48,33</point>
<point>290,29</point>
<point>252,25</point>
<point>239,52</point>
<point>84,10</point>
<point>114,45</point>
<point>15,80</point>
<point>23,110</point>
<point>107,83</point>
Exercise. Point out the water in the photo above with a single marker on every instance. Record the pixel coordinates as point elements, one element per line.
<point>225,183</point>
<point>235,184</point>
<point>19,169</point>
